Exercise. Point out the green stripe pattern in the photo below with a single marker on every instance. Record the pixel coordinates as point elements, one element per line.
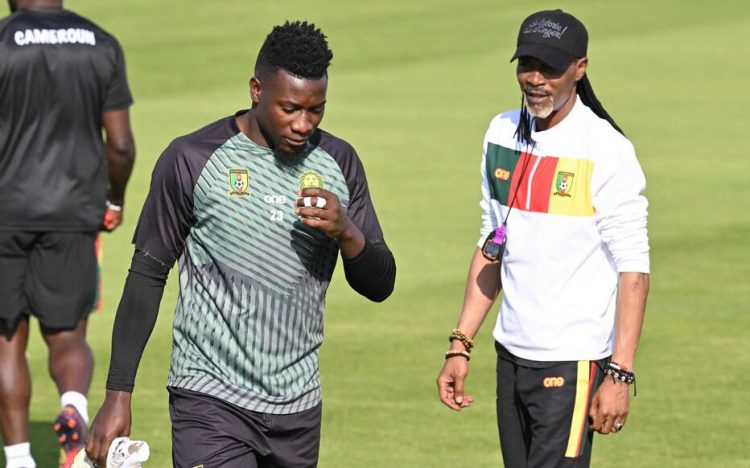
<point>249,320</point>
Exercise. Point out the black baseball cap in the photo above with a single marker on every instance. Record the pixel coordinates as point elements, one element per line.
<point>554,37</point>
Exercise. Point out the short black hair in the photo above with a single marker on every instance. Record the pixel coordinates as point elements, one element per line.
<point>298,48</point>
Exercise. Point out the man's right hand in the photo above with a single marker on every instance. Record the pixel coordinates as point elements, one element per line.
<point>450,384</point>
<point>112,421</point>
<point>112,218</point>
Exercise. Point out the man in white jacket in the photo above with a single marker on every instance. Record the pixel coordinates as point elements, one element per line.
<point>564,235</point>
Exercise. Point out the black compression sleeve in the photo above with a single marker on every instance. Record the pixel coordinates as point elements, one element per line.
<point>135,319</point>
<point>372,273</point>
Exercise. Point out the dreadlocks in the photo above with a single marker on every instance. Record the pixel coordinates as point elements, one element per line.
<point>523,130</point>
<point>584,89</point>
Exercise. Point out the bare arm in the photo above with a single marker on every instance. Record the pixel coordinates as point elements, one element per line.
<point>482,288</point>
<point>631,309</point>
<point>120,156</point>
<point>611,403</point>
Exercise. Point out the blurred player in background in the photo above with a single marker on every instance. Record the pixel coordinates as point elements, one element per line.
<point>62,81</point>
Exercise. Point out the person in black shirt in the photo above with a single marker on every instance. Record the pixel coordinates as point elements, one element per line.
<point>62,80</point>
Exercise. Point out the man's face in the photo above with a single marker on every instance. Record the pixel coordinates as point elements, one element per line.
<point>548,91</point>
<point>289,109</point>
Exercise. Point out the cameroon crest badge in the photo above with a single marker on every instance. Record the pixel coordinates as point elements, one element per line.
<point>239,182</point>
<point>564,183</point>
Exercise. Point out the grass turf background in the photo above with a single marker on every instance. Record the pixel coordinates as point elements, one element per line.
<point>413,86</point>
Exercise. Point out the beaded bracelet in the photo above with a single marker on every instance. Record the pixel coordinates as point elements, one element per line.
<point>615,371</point>
<point>457,352</point>
<point>457,334</point>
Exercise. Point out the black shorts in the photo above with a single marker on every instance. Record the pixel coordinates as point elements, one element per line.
<point>50,275</point>
<point>543,410</point>
<point>208,432</point>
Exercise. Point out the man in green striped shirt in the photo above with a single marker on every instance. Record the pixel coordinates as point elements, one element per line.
<point>256,208</point>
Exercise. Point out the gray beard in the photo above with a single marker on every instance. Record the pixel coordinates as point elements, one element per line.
<point>541,111</point>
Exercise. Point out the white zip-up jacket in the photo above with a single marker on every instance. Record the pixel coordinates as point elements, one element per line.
<point>578,218</point>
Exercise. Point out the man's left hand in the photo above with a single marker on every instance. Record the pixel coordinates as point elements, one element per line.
<point>609,407</point>
<point>322,210</point>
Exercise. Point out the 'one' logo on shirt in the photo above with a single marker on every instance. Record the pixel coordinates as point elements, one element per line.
<point>502,174</point>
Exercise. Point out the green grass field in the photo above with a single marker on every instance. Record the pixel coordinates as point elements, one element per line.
<point>413,86</point>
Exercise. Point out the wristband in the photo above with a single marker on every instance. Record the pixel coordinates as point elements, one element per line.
<point>457,352</point>
<point>617,372</point>
<point>113,207</point>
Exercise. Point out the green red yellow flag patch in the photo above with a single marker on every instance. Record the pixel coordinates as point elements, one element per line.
<point>558,185</point>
